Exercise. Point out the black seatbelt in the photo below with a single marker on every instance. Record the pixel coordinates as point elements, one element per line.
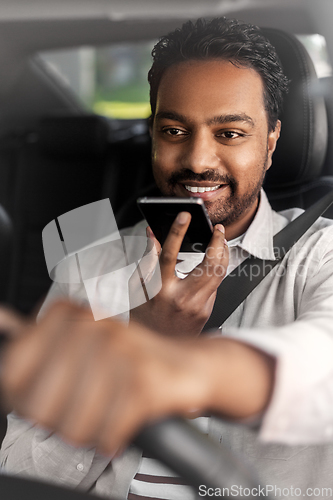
<point>241,281</point>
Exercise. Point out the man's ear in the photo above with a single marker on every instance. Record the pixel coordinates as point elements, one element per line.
<point>273,137</point>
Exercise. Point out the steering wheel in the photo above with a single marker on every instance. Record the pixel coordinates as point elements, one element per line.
<point>174,442</point>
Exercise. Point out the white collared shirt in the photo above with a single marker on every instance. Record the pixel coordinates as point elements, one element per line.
<point>289,315</point>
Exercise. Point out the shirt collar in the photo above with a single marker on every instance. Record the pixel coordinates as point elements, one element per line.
<point>258,239</point>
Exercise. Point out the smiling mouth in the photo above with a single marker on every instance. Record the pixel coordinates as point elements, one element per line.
<point>201,189</point>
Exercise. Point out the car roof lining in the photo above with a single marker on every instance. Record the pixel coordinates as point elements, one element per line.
<point>23,36</point>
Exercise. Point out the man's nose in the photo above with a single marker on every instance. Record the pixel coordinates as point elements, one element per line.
<point>201,152</point>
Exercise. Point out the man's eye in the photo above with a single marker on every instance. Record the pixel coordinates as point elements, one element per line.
<point>174,132</point>
<point>229,134</point>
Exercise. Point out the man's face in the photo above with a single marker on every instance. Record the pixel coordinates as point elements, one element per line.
<point>210,138</point>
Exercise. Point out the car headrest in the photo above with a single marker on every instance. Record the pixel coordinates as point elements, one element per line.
<point>77,136</point>
<point>301,149</point>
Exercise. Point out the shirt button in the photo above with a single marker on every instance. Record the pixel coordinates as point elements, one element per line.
<point>80,467</point>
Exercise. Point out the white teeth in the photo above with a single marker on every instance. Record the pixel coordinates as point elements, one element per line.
<point>195,189</point>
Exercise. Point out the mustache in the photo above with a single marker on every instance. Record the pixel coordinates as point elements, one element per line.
<point>208,175</point>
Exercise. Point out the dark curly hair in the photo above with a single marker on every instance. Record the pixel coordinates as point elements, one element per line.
<point>228,39</point>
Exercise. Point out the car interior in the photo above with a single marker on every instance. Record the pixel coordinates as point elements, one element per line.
<point>57,155</point>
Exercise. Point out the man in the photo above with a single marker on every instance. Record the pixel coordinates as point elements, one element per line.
<point>216,91</point>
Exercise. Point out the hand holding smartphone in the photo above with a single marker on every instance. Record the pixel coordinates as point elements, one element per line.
<point>161,212</point>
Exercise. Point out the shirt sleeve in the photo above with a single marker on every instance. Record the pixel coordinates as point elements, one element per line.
<point>301,409</point>
<point>32,451</point>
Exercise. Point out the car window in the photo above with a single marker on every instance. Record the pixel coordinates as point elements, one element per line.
<point>111,81</point>
<point>317,49</point>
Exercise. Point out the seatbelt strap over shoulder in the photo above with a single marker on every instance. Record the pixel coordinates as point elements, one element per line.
<point>240,282</point>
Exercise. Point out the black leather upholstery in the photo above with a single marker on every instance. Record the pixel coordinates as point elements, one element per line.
<point>294,177</point>
<point>57,169</point>
<point>301,149</point>
<point>73,136</point>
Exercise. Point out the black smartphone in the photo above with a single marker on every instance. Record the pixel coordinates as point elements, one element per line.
<point>161,212</point>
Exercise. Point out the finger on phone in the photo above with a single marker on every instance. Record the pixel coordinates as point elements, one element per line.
<point>172,244</point>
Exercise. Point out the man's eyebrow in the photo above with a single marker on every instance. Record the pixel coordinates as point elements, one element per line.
<point>216,120</point>
<point>170,115</point>
<point>222,119</point>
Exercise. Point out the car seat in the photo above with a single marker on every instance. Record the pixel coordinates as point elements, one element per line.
<point>65,162</point>
<point>295,178</point>
<point>54,169</point>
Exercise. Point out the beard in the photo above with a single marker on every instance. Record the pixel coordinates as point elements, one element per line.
<point>229,209</point>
